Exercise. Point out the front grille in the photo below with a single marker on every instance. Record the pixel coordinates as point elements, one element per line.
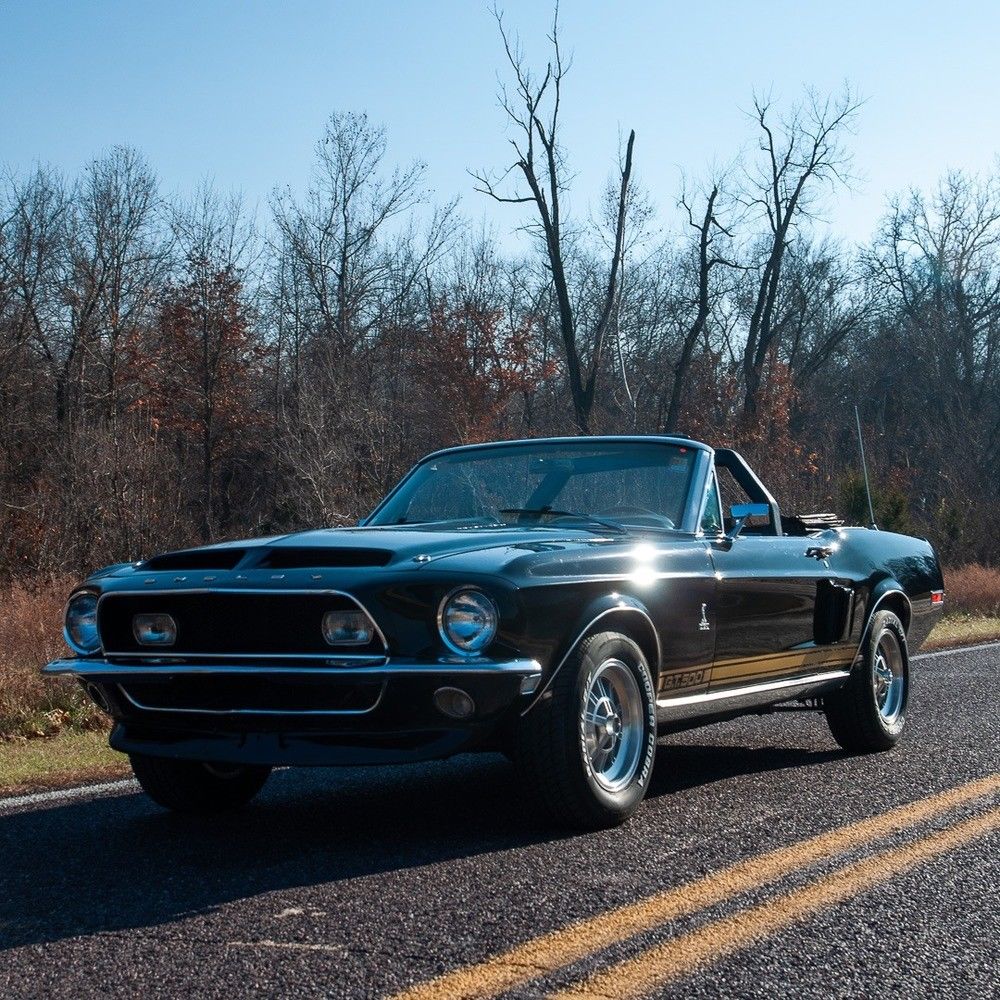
<point>266,694</point>
<point>231,623</point>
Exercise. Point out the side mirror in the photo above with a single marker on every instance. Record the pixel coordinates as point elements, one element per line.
<point>739,512</point>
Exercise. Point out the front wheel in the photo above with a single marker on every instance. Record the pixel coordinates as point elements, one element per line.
<point>585,750</point>
<point>196,787</point>
<point>868,714</point>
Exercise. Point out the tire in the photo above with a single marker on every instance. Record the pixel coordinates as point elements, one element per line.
<point>868,714</point>
<point>190,786</point>
<point>591,770</point>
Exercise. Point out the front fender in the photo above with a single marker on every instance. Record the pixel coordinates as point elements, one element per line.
<point>621,610</point>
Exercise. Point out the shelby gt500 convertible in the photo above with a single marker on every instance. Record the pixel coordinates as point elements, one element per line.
<point>561,600</point>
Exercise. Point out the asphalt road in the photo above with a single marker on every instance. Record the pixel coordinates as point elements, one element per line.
<point>765,863</point>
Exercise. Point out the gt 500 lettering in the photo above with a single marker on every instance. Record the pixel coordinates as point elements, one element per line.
<point>687,678</point>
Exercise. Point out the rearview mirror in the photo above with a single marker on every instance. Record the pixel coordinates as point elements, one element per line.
<point>740,512</point>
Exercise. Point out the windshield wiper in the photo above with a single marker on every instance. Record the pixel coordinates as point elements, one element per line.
<point>456,522</point>
<point>547,511</point>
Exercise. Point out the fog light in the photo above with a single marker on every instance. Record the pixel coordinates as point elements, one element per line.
<point>454,703</point>
<point>154,630</point>
<point>347,628</point>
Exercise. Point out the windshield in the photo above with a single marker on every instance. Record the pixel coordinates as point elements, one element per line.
<point>620,483</point>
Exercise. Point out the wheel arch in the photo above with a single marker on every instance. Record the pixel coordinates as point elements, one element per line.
<point>640,629</point>
<point>897,602</point>
<point>617,613</point>
<point>888,596</point>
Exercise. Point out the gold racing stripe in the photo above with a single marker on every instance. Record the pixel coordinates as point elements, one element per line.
<point>794,659</point>
<point>683,955</point>
<point>757,668</point>
<point>550,952</point>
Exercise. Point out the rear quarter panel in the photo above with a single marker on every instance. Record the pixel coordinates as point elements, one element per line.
<point>882,563</point>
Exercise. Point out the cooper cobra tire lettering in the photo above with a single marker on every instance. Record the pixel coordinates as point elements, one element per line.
<point>552,751</point>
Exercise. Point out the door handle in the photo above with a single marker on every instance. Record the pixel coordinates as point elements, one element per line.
<point>819,552</point>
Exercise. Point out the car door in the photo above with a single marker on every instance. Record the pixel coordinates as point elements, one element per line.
<point>766,605</point>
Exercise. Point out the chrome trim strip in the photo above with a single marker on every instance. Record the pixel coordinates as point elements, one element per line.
<point>325,591</point>
<point>709,696</point>
<point>331,657</point>
<point>102,668</point>
<point>694,505</point>
<point>579,639</point>
<point>253,711</point>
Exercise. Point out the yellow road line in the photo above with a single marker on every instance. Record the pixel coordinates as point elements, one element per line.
<point>668,961</point>
<point>552,951</point>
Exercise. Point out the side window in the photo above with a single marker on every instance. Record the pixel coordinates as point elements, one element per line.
<point>711,520</point>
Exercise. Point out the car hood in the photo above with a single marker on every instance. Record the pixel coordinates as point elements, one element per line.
<point>518,552</point>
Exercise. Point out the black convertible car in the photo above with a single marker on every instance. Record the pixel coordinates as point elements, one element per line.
<point>559,600</point>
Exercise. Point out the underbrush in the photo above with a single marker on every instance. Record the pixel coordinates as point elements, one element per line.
<point>973,590</point>
<point>30,636</point>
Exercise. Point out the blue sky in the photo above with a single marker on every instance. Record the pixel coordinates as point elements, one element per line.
<point>240,91</point>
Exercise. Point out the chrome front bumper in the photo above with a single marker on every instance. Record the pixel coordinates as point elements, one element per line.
<point>93,668</point>
<point>395,721</point>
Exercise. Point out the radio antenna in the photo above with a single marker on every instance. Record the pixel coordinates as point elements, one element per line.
<point>864,469</point>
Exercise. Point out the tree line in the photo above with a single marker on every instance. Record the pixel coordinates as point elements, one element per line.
<point>177,371</point>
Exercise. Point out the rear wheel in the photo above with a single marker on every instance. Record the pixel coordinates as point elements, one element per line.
<point>585,750</point>
<point>197,787</point>
<point>868,714</point>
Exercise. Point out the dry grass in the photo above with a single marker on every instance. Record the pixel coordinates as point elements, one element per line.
<point>972,608</point>
<point>66,759</point>
<point>30,636</point>
<point>973,590</point>
<point>962,630</point>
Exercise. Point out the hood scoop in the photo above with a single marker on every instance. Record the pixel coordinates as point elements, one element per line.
<point>196,559</point>
<point>334,557</point>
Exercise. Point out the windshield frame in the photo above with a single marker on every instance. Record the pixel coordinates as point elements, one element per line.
<point>693,504</point>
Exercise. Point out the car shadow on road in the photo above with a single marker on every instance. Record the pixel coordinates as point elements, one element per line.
<point>119,862</point>
<point>683,766</point>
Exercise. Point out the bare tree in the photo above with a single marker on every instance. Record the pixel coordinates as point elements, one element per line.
<point>824,301</point>
<point>205,323</point>
<point>32,255</point>
<point>119,258</point>
<point>533,112</point>
<point>801,152</point>
<point>708,229</point>
<point>335,238</point>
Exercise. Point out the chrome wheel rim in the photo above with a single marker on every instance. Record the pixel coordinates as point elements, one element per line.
<point>613,725</point>
<point>889,680</point>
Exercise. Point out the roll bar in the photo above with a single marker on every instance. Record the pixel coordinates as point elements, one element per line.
<point>749,482</point>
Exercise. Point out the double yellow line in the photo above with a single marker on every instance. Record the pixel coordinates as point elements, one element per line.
<point>681,955</point>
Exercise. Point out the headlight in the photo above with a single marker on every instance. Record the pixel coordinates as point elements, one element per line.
<point>467,621</point>
<point>80,629</point>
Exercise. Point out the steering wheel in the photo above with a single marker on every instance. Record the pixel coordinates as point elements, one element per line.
<point>649,516</point>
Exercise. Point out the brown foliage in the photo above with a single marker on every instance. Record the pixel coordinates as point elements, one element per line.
<point>471,370</point>
<point>30,636</point>
<point>973,589</point>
